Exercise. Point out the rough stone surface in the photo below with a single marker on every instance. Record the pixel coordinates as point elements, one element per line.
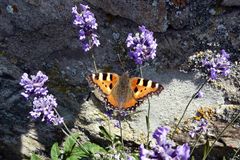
<point>39,35</point>
<point>230,3</point>
<point>151,13</point>
<point>172,101</point>
<point>216,124</point>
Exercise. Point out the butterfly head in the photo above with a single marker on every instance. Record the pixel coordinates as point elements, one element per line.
<point>125,74</point>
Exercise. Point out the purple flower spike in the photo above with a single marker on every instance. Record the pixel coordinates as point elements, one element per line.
<point>217,65</point>
<point>160,135</point>
<point>34,85</point>
<point>183,152</point>
<point>44,106</point>
<point>164,149</point>
<point>142,46</point>
<point>87,25</point>
<point>199,127</point>
<point>225,54</point>
<point>144,153</point>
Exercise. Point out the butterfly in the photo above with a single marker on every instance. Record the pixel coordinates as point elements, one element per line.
<point>123,92</point>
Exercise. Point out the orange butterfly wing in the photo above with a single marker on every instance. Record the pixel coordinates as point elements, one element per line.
<point>142,88</point>
<point>104,81</point>
<point>131,104</point>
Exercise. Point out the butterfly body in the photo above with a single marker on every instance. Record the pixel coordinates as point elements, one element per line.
<point>122,92</point>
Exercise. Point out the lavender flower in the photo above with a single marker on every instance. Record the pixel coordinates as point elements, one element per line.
<point>199,127</point>
<point>130,158</point>
<point>160,135</point>
<point>86,22</point>
<point>34,85</point>
<point>164,149</point>
<point>218,65</point>
<point>144,153</point>
<point>142,46</point>
<point>117,124</point>
<point>44,106</point>
<point>200,94</point>
<point>109,113</point>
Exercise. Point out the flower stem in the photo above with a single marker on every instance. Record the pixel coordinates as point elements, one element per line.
<point>230,123</point>
<point>120,126</point>
<point>68,132</point>
<point>148,113</point>
<point>235,155</point>
<point>64,124</point>
<point>94,62</point>
<point>184,112</point>
<point>195,144</point>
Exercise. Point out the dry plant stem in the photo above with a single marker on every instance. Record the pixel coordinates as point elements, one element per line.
<point>148,114</point>
<point>94,62</point>
<point>235,154</point>
<point>195,144</point>
<point>121,130</point>
<point>194,95</point>
<point>233,120</point>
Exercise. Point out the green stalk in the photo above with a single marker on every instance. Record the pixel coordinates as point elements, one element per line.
<point>121,130</point>
<point>148,113</point>
<point>195,144</point>
<point>94,62</point>
<point>235,155</point>
<point>233,120</point>
<point>184,112</point>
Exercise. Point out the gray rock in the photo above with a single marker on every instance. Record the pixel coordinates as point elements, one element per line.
<point>212,11</point>
<point>230,3</point>
<point>149,13</point>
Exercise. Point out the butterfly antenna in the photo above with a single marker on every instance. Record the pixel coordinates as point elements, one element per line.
<point>146,65</point>
<point>122,65</point>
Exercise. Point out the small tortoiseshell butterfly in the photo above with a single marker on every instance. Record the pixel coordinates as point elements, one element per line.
<point>122,92</point>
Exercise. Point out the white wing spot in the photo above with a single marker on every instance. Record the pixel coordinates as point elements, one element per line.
<point>149,84</point>
<point>100,76</point>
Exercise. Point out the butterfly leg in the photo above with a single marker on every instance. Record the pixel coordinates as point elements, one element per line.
<point>89,95</point>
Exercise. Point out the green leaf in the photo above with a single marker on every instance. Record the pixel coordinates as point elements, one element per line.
<point>55,152</point>
<point>93,148</point>
<point>35,157</point>
<point>224,158</point>
<point>192,158</point>
<point>104,133</point>
<point>73,158</point>
<point>77,151</point>
<point>70,142</point>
